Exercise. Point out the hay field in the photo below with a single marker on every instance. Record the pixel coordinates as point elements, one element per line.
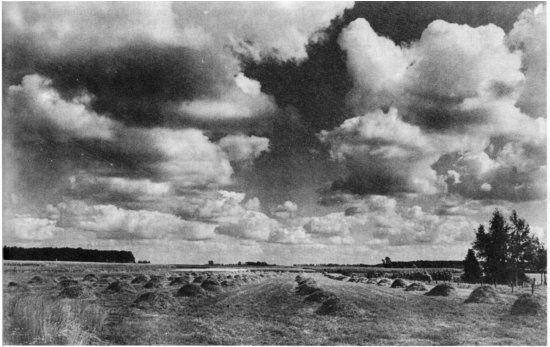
<point>255,308</point>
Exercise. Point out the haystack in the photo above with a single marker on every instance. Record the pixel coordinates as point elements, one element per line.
<point>67,283</point>
<point>483,295</point>
<point>399,283</point>
<point>90,278</point>
<point>320,296</point>
<point>140,278</point>
<point>337,307</point>
<point>37,280</point>
<point>228,283</point>
<point>526,305</point>
<point>77,292</point>
<point>120,287</point>
<point>191,289</point>
<point>371,281</point>
<point>384,282</point>
<point>154,282</point>
<point>307,288</point>
<point>178,281</point>
<point>198,279</point>
<point>416,286</point>
<point>211,285</point>
<point>443,289</point>
<point>156,300</point>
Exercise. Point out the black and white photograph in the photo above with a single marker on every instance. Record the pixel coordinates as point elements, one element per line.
<point>274,173</point>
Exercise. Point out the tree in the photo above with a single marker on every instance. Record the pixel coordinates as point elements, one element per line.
<point>520,246</point>
<point>538,260</point>
<point>492,247</point>
<point>472,269</point>
<point>386,262</point>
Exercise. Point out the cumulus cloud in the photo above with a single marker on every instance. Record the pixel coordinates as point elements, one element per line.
<point>242,100</point>
<point>112,222</point>
<point>252,225</point>
<point>451,93</point>
<point>286,210</point>
<point>26,227</point>
<point>36,105</point>
<point>242,148</point>
<point>117,188</point>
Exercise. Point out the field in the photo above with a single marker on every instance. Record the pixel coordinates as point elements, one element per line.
<point>254,308</point>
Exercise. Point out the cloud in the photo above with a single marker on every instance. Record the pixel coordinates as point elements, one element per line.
<point>252,225</point>
<point>286,210</point>
<point>117,188</point>
<point>242,148</point>
<point>529,35</point>
<point>35,106</point>
<point>24,227</point>
<point>112,222</point>
<point>451,93</point>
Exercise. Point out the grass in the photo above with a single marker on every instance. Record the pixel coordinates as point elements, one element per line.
<point>46,320</point>
<point>266,312</point>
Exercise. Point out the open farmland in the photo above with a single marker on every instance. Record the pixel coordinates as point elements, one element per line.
<point>247,308</point>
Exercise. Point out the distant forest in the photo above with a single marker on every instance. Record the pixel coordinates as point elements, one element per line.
<point>67,254</point>
<point>455,264</point>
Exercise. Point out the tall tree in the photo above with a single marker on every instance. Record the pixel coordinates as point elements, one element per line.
<point>492,246</point>
<point>520,246</point>
<point>472,269</point>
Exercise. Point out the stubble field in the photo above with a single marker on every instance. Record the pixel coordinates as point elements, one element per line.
<point>249,308</point>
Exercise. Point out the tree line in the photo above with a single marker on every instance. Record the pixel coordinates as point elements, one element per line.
<point>67,254</point>
<point>504,252</point>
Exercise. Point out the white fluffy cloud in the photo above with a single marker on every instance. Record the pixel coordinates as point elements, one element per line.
<point>35,105</point>
<point>112,222</point>
<point>242,148</point>
<point>452,92</point>
<point>286,210</point>
<point>29,228</point>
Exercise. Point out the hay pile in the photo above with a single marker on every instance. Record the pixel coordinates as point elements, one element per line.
<point>37,280</point>
<point>443,289</point>
<point>399,283</point>
<point>198,279</point>
<point>483,295</point>
<point>155,300</point>
<point>77,292</point>
<point>371,281</point>
<point>178,281</point>
<point>526,305</point>
<point>153,283</point>
<point>191,289</point>
<point>228,283</point>
<point>141,278</point>
<point>307,286</point>
<point>120,287</point>
<point>211,284</point>
<point>90,278</point>
<point>337,307</point>
<point>63,278</point>
<point>102,282</point>
<point>320,296</point>
<point>384,282</point>
<point>416,286</point>
<point>67,283</point>
<point>13,285</point>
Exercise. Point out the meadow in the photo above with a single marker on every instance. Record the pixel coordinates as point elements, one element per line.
<point>146,304</point>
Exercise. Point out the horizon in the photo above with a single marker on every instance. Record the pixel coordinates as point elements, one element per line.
<point>324,132</point>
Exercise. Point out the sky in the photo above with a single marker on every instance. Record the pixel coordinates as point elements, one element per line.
<point>286,132</point>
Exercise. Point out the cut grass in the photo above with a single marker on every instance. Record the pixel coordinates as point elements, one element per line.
<point>43,320</point>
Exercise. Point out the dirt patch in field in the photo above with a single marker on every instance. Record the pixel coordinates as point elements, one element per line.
<point>120,287</point>
<point>526,305</point>
<point>416,287</point>
<point>483,295</point>
<point>156,300</point>
<point>443,289</point>
<point>191,289</point>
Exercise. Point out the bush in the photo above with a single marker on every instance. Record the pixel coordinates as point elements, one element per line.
<point>47,321</point>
